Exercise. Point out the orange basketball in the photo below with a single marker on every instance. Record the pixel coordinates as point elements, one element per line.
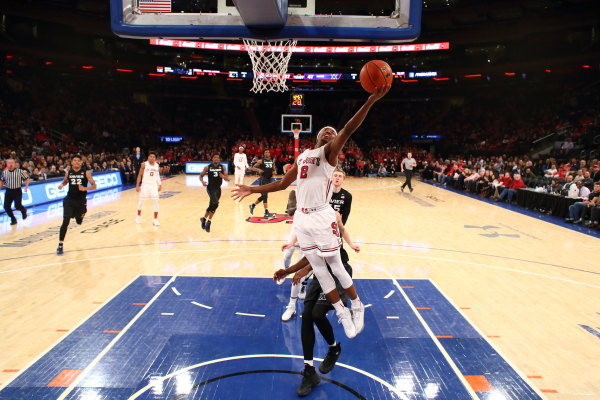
<point>375,73</point>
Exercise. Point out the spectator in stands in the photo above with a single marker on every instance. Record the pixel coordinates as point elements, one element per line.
<point>504,182</point>
<point>578,176</point>
<point>382,171</point>
<point>53,173</point>
<point>596,174</point>
<point>471,181</point>
<point>567,146</point>
<point>594,213</point>
<point>578,212</point>
<point>551,172</point>
<point>554,187</point>
<point>578,191</point>
<point>567,186</point>
<point>511,190</point>
<point>529,173</point>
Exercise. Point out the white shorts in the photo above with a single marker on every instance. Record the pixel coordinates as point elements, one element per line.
<point>317,232</point>
<point>149,192</point>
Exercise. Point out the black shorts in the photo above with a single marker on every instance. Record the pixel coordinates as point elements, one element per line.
<point>74,208</point>
<point>315,294</point>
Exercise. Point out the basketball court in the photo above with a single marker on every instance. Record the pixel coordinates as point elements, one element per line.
<point>457,310</point>
<point>465,299</point>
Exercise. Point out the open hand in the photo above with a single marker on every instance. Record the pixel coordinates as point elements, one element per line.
<point>240,191</point>
<point>379,92</point>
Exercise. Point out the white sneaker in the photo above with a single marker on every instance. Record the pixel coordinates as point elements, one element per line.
<point>289,312</point>
<point>345,318</point>
<point>138,219</point>
<point>155,222</point>
<point>358,317</point>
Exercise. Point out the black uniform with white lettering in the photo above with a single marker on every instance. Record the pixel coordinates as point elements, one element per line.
<point>75,204</point>
<point>265,177</point>
<point>214,186</point>
<point>342,203</point>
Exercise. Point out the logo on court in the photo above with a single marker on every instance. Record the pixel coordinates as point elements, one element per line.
<point>490,231</point>
<point>272,220</point>
<point>166,195</point>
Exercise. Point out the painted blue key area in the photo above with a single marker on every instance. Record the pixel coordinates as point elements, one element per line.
<point>397,351</point>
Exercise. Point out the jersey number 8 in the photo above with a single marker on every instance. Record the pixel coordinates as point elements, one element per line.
<point>304,172</point>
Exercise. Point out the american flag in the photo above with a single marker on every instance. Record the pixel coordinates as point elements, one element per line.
<point>155,6</point>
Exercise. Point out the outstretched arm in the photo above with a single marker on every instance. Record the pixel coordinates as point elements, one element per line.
<point>242,191</point>
<point>282,273</point>
<point>333,148</point>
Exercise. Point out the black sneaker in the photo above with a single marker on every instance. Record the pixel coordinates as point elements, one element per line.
<point>411,190</point>
<point>24,214</point>
<point>203,222</point>
<point>402,188</point>
<point>207,226</point>
<point>269,215</point>
<point>330,359</point>
<point>252,206</point>
<point>79,220</point>
<point>13,221</point>
<point>59,250</point>
<point>310,379</point>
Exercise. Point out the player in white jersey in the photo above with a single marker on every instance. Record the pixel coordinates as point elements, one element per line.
<point>240,161</point>
<point>315,221</point>
<point>148,185</point>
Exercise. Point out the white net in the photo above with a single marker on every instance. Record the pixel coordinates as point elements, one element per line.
<point>269,63</point>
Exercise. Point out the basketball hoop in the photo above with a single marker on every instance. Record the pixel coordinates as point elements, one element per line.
<point>269,63</point>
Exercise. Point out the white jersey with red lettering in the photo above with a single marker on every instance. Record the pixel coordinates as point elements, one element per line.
<point>313,183</point>
<point>315,221</point>
<point>150,181</point>
<point>151,175</point>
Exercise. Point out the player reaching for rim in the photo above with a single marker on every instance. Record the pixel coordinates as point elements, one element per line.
<point>315,221</point>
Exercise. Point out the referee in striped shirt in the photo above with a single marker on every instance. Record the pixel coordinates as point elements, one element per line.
<point>13,179</point>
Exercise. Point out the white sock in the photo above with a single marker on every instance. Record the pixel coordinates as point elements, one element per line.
<point>339,307</point>
<point>309,362</point>
<point>355,303</point>
<point>333,345</point>
<point>293,302</point>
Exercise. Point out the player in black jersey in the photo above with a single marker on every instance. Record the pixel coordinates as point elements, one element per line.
<point>216,173</point>
<point>316,307</point>
<point>341,199</point>
<point>75,204</point>
<point>266,165</point>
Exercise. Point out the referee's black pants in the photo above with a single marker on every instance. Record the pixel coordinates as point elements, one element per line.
<point>409,175</point>
<point>13,195</point>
